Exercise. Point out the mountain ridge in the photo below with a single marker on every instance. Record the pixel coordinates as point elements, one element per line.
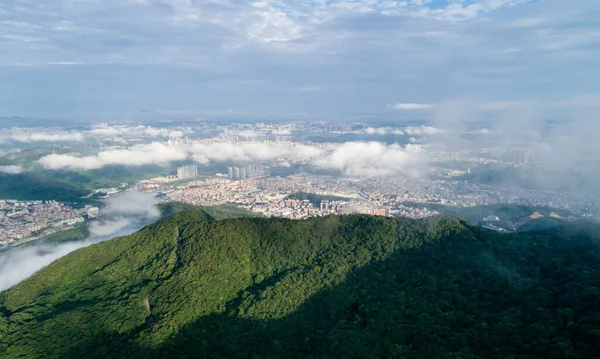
<point>159,292</point>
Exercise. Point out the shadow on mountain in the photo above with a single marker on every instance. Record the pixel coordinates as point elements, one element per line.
<point>527,296</point>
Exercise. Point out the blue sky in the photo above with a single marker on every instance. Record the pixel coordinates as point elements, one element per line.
<point>286,58</point>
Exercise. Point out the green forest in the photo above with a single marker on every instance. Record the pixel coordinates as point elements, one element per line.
<point>192,286</point>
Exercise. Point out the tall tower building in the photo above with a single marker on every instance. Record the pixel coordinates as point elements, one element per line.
<point>187,172</point>
<point>230,172</point>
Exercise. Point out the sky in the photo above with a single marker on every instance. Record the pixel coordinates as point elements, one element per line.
<point>293,59</point>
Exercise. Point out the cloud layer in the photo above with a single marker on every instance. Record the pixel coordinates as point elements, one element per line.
<point>154,153</point>
<point>372,159</point>
<point>350,158</point>
<point>26,136</point>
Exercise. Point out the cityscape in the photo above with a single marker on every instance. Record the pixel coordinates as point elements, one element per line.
<point>261,167</point>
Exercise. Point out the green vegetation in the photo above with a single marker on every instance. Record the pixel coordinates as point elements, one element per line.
<point>315,199</point>
<point>216,212</point>
<point>331,287</point>
<point>76,233</point>
<point>29,186</point>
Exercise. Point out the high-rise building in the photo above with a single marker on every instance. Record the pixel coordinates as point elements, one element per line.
<point>243,174</point>
<point>230,172</point>
<point>187,172</point>
<point>236,173</point>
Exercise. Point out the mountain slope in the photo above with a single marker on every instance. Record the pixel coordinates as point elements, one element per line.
<point>351,286</point>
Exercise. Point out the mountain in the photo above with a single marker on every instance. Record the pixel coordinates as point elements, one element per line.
<point>358,286</point>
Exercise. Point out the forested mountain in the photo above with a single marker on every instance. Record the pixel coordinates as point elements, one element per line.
<point>333,287</point>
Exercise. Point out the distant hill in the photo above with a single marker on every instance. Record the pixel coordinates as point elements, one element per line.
<point>30,186</point>
<point>191,286</point>
<point>510,216</point>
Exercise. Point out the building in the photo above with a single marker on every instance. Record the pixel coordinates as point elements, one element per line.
<point>243,174</point>
<point>236,173</point>
<point>187,172</point>
<point>93,212</point>
<point>230,172</point>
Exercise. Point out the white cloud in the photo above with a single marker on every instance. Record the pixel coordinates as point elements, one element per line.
<point>373,159</point>
<point>132,203</point>
<point>248,152</point>
<point>375,131</point>
<point>12,169</point>
<point>381,131</point>
<point>422,130</point>
<point>281,132</point>
<point>108,227</point>
<point>412,106</point>
<point>154,153</point>
<point>22,136</point>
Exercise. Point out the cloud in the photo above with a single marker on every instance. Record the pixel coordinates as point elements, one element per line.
<point>11,169</point>
<point>132,203</point>
<point>47,137</point>
<point>154,153</point>
<point>251,152</point>
<point>412,106</point>
<point>376,131</point>
<point>372,159</point>
<point>281,132</point>
<point>108,227</point>
<point>362,52</point>
<point>126,214</point>
<point>422,130</point>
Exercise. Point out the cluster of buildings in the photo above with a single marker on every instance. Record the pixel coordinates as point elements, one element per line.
<point>29,220</point>
<point>244,172</point>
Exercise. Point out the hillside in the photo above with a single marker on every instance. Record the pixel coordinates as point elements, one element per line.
<point>26,186</point>
<point>333,287</point>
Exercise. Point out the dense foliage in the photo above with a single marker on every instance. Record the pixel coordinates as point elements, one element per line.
<point>77,233</point>
<point>331,287</point>
<point>28,186</point>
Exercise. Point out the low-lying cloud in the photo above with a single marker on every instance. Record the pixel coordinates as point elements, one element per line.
<point>350,158</point>
<point>122,215</point>
<point>371,159</point>
<point>412,106</point>
<point>26,136</point>
<point>153,153</point>
<point>408,131</point>
<point>11,169</point>
<point>256,151</point>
